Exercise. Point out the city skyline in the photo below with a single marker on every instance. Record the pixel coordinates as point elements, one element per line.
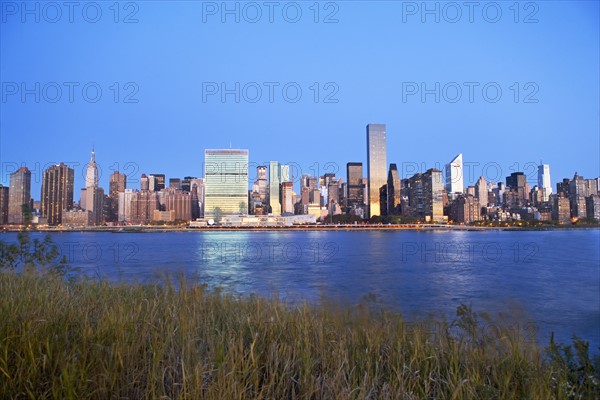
<point>539,174</point>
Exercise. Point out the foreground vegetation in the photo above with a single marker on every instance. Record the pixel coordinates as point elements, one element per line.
<point>75,338</point>
<point>90,339</point>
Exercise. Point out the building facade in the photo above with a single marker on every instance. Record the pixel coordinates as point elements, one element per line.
<point>393,192</point>
<point>57,192</point>
<point>454,176</point>
<point>376,165</point>
<point>3,205</point>
<point>19,195</point>
<point>225,182</point>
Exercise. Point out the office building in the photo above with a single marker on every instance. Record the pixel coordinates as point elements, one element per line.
<point>19,195</point>
<point>544,181</point>
<point>376,165</point>
<point>225,182</point>
<point>394,197</point>
<point>278,174</point>
<point>455,176</point>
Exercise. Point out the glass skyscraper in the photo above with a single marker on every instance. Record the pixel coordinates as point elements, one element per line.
<point>226,182</point>
<point>354,175</point>
<point>376,165</point>
<point>19,195</point>
<point>454,176</point>
<point>544,180</point>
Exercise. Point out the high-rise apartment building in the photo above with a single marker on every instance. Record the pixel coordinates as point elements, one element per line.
<point>426,195</point>
<point>118,183</point>
<point>57,192</point>
<point>455,176</point>
<point>19,195</point>
<point>226,182</point>
<point>144,183</point>
<point>3,205</point>
<point>376,165</point>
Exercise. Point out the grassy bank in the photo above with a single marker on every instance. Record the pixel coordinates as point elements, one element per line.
<point>90,339</point>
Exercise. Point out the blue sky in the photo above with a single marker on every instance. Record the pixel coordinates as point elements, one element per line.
<point>367,61</point>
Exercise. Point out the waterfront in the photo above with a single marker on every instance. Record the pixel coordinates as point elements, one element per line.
<point>543,279</point>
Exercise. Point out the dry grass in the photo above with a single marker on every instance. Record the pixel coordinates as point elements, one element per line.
<point>96,340</point>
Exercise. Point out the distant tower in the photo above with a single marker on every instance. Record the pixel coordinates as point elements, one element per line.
<point>544,180</point>
<point>376,165</point>
<point>91,175</point>
<point>481,191</point>
<point>454,176</point>
<point>94,196</point>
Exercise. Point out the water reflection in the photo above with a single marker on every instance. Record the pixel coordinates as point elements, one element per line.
<point>552,277</point>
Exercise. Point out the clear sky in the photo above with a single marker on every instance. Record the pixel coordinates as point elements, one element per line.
<point>369,60</point>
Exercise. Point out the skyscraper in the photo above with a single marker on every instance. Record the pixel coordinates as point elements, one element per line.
<point>94,196</point>
<point>544,180</point>
<point>376,165</point>
<point>274,182</point>
<point>19,195</point>
<point>481,191</point>
<point>278,173</point>
<point>226,182</point>
<point>393,191</point>
<point>287,199</point>
<point>57,192</point>
<point>118,183</point>
<point>425,195</point>
<point>3,205</point>
<point>454,176</point>
<point>197,191</point>
<point>354,175</point>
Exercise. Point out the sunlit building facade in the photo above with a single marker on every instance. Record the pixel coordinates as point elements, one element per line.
<point>544,181</point>
<point>454,176</point>
<point>225,182</point>
<point>376,165</point>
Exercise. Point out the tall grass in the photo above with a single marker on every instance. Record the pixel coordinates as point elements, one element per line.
<point>96,340</point>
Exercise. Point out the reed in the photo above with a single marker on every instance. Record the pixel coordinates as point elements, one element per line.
<point>90,339</point>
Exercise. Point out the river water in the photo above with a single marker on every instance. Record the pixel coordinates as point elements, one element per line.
<point>545,281</point>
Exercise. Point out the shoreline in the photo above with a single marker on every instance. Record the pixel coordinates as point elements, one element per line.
<point>301,228</point>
